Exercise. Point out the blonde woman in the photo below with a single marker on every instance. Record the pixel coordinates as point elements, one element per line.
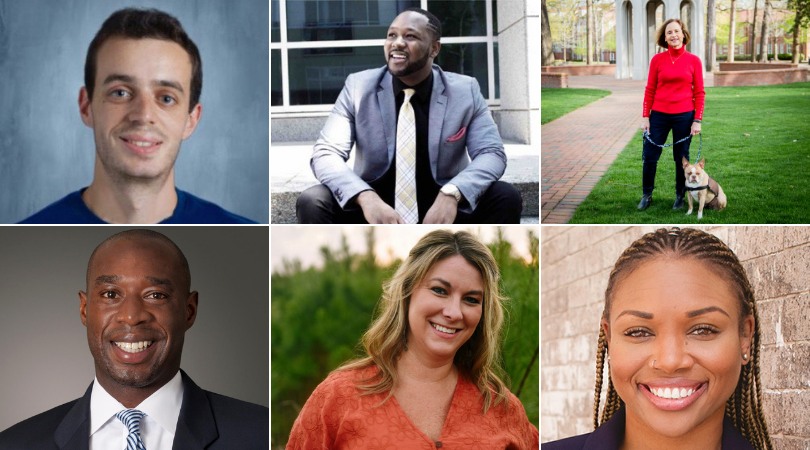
<point>680,337</point>
<point>429,380</point>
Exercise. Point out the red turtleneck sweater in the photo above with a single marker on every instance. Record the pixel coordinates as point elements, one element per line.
<point>675,84</point>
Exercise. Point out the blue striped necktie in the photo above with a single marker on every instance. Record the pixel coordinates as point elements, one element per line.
<point>132,419</point>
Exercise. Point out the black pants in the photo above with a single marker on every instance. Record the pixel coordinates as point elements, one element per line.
<point>660,125</point>
<point>501,203</point>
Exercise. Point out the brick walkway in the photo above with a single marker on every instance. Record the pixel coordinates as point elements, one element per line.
<point>579,147</point>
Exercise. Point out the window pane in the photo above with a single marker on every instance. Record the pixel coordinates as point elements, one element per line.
<point>460,17</point>
<point>275,34</point>
<point>494,17</point>
<point>275,78</point>
<point>329,20</point>
<point>317,75</point>
<point>467,59</point>
<point>497,70</point>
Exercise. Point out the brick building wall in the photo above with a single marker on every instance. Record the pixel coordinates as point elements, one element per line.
<point>575,265</point>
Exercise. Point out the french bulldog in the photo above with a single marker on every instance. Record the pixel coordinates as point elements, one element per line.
<point>702,188</point>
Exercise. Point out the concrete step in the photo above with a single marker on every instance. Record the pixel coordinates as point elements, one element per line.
<point>290,174</point>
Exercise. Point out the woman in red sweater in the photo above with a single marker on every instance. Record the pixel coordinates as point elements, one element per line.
<point>673,100</point>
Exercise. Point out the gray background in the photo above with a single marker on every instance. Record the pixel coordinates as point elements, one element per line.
<point>45,149</point>
<point>44,358</point>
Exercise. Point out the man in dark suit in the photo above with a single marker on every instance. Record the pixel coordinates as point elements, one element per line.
<point>428,150</point>
<point>137,307</point>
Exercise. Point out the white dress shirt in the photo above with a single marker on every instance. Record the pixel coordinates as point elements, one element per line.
<point>158,426</point>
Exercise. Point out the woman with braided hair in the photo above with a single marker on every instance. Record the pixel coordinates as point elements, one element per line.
<point>680,338</point>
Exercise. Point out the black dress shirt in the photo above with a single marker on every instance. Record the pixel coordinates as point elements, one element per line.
<point>426,187</point>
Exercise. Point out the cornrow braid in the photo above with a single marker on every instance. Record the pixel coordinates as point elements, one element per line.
<point>744,407</point>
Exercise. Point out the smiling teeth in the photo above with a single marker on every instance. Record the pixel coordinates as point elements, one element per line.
<point>673,393</point>
<point>133,347</point>
<point>141,143</point>
<point>443,329</point>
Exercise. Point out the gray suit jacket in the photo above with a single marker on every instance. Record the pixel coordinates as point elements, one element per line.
<point>364,115</point>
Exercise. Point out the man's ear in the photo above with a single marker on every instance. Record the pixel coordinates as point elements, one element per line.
<point>435,47</point>
<point>84,107</point>
<point>191,309</point>
<point>83,305</point>
<point>193,120</point>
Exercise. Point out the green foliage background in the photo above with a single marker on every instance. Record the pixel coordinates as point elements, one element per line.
<point>319,316</point>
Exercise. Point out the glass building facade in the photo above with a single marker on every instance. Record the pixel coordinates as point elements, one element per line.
<point>316,44</point>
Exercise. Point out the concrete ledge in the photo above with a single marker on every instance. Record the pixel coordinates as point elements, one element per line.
<point>554,80</point>
<point>760,77</point>
<point>574,71</point>
<point>291,174</point>
<point>738,66</point>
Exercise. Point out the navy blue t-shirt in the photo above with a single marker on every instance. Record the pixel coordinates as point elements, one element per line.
<point>189,209</point>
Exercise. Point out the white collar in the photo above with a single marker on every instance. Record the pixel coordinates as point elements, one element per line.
<point>163,406</point>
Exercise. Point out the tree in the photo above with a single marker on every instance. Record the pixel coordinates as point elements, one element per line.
<point>731,26</point>
<point>754,34</point>
<point>711,38</point>
<point>589,30</point>
<point>802,19</point>
<point>766,17</point>
<point>545,38</point>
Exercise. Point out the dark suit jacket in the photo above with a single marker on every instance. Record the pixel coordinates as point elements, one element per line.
<point>207,421</point>
<point>609,436</point>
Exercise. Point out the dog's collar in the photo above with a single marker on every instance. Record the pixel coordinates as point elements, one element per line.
<point>699,188</point>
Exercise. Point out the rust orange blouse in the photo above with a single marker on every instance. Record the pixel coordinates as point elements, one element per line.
<point>337,417</point>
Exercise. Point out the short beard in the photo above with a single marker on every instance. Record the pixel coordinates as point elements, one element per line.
<point>411,68</point>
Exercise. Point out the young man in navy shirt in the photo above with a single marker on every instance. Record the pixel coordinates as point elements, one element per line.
<point>143,78</point>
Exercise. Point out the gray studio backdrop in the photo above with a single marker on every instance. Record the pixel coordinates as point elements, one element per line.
<point>44,358</point>
<point>47,152</point>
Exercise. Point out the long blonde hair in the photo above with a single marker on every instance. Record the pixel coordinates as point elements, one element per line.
<point>383,341</point>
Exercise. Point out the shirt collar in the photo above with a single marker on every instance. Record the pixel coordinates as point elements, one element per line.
<point>676,52</point>
<point>423,89</point>
<point>163,406</point>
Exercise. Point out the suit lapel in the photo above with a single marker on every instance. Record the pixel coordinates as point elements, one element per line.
<point>438,106</point>
<point>73,433</point>
<point>196,428</point>
<point>386,105</point>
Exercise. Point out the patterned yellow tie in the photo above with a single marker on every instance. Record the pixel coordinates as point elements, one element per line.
<point>405,201</point>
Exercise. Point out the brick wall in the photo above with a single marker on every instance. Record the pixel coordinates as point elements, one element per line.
<point>554,80</point>
<point>735,66</point>
<point>593,69</point>
<point>575,265</point>
<point>760,77</point>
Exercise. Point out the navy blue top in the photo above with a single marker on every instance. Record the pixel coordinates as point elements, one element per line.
<point>189,209</point>
<point>609,436</point>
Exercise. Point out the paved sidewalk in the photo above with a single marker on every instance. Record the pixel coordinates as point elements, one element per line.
<point>579,147</point>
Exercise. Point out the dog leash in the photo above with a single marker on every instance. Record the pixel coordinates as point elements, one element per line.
<point>646,136</point>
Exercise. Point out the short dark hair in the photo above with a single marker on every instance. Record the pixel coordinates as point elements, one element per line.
<point>137,23</point>
<point>147,234</point>
<point>434,24</point>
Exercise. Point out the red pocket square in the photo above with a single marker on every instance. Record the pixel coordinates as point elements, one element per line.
<point>457,136</point>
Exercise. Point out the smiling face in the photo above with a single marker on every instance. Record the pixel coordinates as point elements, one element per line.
<point>140,107</point>
<point>680,316</point>
<point>674,35</point>
<point>410,48</point>
<point>137,309</point>
<point>445,308</point>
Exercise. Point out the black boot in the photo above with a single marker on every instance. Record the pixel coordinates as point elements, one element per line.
<point>645,202</point>
<point>678,202</point>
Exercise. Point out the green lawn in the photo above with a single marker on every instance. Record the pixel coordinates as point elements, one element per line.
<point>756,141</point>
<point>555,103</point>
